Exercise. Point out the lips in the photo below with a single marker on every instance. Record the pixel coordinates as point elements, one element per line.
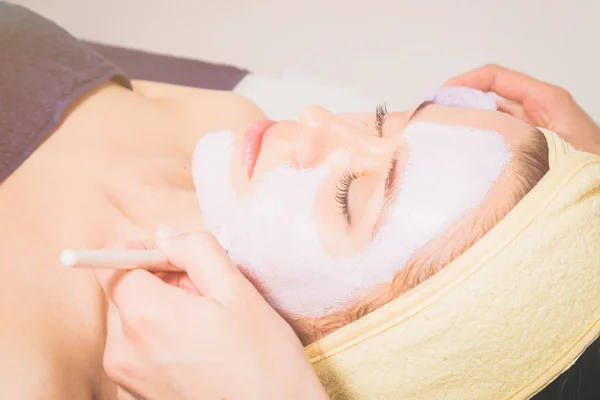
<point>253,139</point>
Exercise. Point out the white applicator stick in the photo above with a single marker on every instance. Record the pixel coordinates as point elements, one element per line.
<point>150,260</point>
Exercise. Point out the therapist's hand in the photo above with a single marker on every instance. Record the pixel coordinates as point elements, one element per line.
<point>222,342</point>
<point>535,102</point>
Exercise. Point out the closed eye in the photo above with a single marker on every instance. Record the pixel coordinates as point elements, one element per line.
<point>341,195</point>
<point>380,113</point>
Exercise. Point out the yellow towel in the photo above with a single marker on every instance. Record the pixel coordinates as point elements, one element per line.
<point>503,320</point>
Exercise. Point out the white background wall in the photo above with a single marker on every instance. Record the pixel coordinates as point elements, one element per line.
<point>395,49</point>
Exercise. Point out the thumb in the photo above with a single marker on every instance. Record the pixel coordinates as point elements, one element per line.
<point>138,293</point>
<point>206,263</point>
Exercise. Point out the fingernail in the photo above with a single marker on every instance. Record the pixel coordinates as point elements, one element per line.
<point>164,231</point>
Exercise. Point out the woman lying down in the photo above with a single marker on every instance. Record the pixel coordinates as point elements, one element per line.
<point>333,216</point>
<point>330,216</point>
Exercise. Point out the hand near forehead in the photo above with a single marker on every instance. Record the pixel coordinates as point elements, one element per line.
<point>538,103</point>
<point>204,333</point>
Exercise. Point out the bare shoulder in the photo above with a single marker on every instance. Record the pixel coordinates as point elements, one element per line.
<point>195,100</point>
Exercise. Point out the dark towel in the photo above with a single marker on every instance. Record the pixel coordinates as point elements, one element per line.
<point>43,70</point>
<point>168,69</point>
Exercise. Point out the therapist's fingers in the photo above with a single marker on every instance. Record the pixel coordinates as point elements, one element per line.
<point>205,262</point>
<point>513,108</point>
<point>119,356</point>
<point>138,295</point>
<point>177,279</point>
<point>510,84</point>
<point>116,352</point>
<point>180,280</point>
<point>114,327</point>
<point>507,83</point>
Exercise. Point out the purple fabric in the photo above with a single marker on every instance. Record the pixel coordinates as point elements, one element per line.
<point>460,96</point>
<point>168,69</point>
<point>43,70</point>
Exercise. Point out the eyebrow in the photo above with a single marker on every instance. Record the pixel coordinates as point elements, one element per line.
<point>420,109</point>
<point>391,187</point>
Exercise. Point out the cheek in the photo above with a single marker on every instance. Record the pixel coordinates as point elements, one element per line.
<point>362,122</point>
<point>366,199</point>
<point>339,239</point>
<point>328,215</point>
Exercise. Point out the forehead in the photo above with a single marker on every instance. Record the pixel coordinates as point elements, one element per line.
<point>511,128</point>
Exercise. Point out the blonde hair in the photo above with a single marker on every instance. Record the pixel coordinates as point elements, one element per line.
<point>530,165</point>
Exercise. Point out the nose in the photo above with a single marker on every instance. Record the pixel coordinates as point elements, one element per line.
<point>315,117</point>
<point>321,134</point>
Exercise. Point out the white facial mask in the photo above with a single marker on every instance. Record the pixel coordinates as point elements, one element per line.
<point>273,234</point>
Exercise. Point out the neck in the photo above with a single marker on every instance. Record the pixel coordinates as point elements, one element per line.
<point>154,190</point>
<point>144,161</point>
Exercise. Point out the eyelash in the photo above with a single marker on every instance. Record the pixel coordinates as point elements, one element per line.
<point>380,113</point>
<point>341,196</point>
<point>342,188</point>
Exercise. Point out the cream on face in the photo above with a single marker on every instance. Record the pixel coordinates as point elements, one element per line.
<point>273,234</point>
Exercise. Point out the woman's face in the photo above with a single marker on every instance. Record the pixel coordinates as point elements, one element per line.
<point>366,154</point>
<point>321,209</point>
